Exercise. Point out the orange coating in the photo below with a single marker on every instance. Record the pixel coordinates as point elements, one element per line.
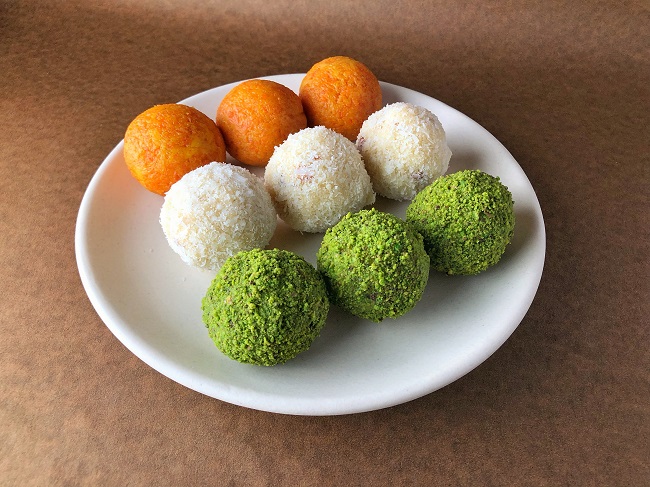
<point>340,93</point>
<point>256,116</point>
<point>165,142</point>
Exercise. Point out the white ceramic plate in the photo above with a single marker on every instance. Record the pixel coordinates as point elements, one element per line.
<point>151,301</point>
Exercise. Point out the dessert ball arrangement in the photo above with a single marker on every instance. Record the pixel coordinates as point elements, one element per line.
<point>374,265</point>
<point>404,148</point>
<point>325,153</point>
<point>216,211</point>
<point>315,177</point>
<point>165,142</point>
<point>257,115</point>
<point>466,219</point>
<point>340,93</point>
<point>264,307</point>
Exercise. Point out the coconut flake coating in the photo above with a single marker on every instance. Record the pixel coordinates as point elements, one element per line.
<point>216,211</point>
<point>466,218</point>
<point>315,177</point>
<point>264,307</point>
<point>374,265</point>
<point>404,147</point>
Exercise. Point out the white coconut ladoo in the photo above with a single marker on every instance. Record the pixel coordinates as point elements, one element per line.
<point>315,177</point>
<point>404,148</point>
<point>215,211</point>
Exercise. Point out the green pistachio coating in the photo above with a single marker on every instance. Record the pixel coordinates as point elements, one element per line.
<point>466,219</point>
<point>374,265</point>
<point>264,307</point>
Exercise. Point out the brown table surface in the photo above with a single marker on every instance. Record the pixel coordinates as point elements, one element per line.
<point>563,85</point>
